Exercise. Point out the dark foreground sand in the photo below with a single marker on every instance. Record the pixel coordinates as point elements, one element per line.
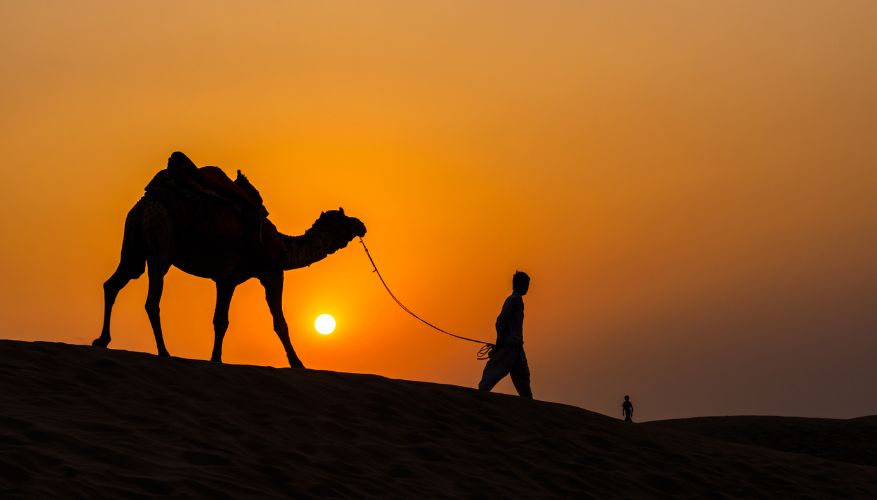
<point>77,422</point>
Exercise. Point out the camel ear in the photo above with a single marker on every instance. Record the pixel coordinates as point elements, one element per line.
<point>341,209</point>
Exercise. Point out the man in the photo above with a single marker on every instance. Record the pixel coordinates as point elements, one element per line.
<point>508,355</point>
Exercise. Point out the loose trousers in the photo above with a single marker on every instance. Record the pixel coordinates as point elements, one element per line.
<point>508,360</point>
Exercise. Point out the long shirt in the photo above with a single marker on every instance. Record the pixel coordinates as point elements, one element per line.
<point>510,322</point>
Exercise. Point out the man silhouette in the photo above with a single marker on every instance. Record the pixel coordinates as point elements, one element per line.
<point>627,409</point>
<point>508,355</point>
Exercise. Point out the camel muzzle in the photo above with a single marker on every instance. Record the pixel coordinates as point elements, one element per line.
<point>358,227</point>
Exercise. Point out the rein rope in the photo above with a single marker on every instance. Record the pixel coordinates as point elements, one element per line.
<point>486,348</point>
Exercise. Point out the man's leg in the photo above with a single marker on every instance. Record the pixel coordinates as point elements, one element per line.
<point>497,367</point>
<point>521,375</point>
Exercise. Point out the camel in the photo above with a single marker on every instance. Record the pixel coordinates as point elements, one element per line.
<point>220,238</point>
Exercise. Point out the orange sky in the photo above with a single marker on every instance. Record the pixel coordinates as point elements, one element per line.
<point>691,185</point>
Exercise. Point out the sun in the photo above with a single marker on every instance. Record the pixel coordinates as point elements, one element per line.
<point>325,324</point>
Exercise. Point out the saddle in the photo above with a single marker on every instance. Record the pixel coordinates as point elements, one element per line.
<point>239,192</point>
<point>182,177</point>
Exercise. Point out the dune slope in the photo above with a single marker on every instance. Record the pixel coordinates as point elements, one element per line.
<point>84,422</point>
<point>853,440</point>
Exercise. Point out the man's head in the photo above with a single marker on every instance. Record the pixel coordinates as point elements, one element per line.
<point>520,283</point>
<point>627,398</point>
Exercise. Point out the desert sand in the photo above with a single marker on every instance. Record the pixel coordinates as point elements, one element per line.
<point>853,440</point>
<point>81,422</point>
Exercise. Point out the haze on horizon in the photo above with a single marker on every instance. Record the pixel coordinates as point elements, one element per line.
<point>691,186</point>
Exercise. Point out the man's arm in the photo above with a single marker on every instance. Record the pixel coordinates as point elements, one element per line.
<point>500,330</point>
<point>503,322</point>
<point>514,313</point>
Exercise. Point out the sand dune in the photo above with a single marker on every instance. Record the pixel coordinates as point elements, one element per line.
<point>89,423</point>
<point>853,440</point>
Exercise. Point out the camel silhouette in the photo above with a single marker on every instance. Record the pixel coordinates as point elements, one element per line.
<point>210,234</point>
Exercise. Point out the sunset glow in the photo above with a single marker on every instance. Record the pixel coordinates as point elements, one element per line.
<point>691,186</point>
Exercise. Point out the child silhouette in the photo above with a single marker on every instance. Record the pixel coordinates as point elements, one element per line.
<point>627,409</point>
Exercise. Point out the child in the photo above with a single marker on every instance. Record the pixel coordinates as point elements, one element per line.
<point>627,409</point>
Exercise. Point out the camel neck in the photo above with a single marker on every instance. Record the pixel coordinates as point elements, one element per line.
<point>303,250</point>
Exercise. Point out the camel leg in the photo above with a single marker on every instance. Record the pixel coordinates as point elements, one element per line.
<point>131,266</point>
<point>274,296</point>
<point>112,287</point>
<point>153,298</point>
<point>224,292</point>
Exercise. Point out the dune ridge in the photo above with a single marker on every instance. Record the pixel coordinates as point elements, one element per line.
<point>846,440</point>
<point>81,422</point>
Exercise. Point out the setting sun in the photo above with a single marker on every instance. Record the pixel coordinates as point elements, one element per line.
<point>325,324</point>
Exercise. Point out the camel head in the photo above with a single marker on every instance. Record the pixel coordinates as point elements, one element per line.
<point>337,229</point>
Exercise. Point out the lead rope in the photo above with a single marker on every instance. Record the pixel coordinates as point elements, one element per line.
<point>483,353</point>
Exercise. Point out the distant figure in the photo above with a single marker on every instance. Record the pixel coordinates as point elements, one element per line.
<point>508,355</point>
<point>627,409</point>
